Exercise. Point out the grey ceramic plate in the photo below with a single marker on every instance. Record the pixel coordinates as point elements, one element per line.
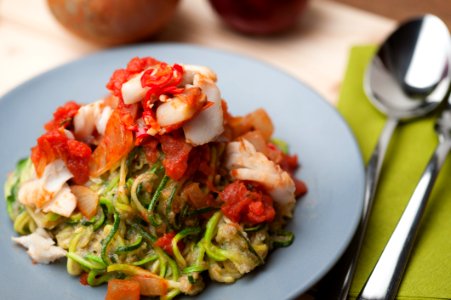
<point>324,220</point>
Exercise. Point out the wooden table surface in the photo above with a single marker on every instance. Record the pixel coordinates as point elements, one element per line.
<point>31,41</point>
<point>316,51</point>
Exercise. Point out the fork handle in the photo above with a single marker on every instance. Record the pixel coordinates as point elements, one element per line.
<point>385,279</point>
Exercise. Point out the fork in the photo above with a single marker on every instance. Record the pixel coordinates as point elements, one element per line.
<point>386,276</point>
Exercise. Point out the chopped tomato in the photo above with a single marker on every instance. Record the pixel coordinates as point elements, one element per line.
<point>151,286</point>
<point>120,289</point>
<point>77,160</point>
<point>301,187</point>
<point>150,148</point>
<point>55,144</point>
<point>248,205</point>
<point>199,160</point>
<point>290,164</point>
<point>165,242</point>
<point>84,278</point>
<point>176,152</point>
<point>116,143</point>
<point>63,116</point>
<point>260,211</point>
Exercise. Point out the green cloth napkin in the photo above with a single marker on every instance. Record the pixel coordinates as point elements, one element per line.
<point>428,275</point>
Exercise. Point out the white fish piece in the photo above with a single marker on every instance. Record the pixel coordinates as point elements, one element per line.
<point>178,109</point>
<point>209,123</point>
<point>31,193</point>
<point>132,90</point>
<point>63,203</point>
<point>55,175</point>
<point>189,71</point>
<point>89,117</point>
<point>50,192</point>
<point>245,163</point>
<point>102,120</point>
<point>41,247</point>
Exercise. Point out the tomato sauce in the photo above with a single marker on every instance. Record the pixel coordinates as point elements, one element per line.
<point>165,242</point>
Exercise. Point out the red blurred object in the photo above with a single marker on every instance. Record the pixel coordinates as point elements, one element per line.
<point>259,16</point>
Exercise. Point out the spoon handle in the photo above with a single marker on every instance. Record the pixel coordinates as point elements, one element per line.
<point>337,282</point>
<point>385,279</point>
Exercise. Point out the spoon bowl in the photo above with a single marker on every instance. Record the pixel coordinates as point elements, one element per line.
<point>409,76</point>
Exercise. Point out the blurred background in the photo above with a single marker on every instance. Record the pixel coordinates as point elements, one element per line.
<point>402,9</point>
<point>308,38</point>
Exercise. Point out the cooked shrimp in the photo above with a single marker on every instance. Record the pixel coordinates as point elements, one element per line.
<point>245,163</point>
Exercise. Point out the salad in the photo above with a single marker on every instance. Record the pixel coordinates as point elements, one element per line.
<point>156,188</point>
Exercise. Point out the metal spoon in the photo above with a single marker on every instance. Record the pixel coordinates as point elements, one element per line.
<point>387,274</point>
<point>407,78</point>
